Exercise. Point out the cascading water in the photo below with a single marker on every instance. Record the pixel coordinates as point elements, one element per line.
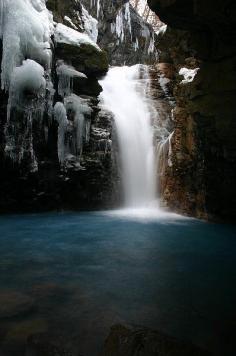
<point>124,94</point>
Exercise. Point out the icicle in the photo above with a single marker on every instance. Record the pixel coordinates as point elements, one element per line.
<point>170,164</point>
<point>113,27</point>
<point>161,30</point>
<point>120,25</point>
<point>61,117</point>
<point>80,109</point>
<point>128,18</point>
<point>151,47</point>
<point>136,44</point>
<point>98,8</point>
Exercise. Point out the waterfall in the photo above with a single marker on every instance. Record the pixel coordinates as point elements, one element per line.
<point>125,95</point>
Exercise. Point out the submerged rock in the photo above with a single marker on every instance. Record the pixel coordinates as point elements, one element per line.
<point>14,304</point>
<point>43,344</point>
<point>138,341</point>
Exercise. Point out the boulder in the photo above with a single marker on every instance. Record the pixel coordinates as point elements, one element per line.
<point>137,341</point>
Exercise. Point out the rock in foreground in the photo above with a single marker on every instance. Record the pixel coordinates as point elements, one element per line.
<point>138,341</point>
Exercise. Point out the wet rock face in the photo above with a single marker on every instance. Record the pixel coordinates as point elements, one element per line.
<point>201,34</point>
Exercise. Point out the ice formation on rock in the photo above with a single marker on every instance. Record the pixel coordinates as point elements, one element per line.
<point>128,18</point>
<point>120,25</point>
<point>188,74</point>
<point>161,30</point>
<point>123,21</point>
<point>64,34</point>
<point>73,117</point>
<point>151,47</point>
<point>68,19</point>
<point>66,74</point>
<point>25,29</point>
<point>98,8</point>
<point>90,25</point>
<point>61,117</point>
<point>136,44</point>
<point>80,111</point>
<point>27,79</point>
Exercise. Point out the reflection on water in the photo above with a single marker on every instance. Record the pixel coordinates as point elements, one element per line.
<point>75,275</point>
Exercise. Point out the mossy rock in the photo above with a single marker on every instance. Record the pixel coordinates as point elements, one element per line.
<point>89,86</point>
<point>85,58</point>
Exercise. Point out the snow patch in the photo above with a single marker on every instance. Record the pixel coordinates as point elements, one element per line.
<point>64,34</point>
<point>188,74</point>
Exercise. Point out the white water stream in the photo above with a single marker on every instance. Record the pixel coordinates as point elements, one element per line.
<point>124,94</point>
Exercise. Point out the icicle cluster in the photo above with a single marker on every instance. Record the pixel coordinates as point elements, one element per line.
<point>123,22</point>
<point>81,112</point>
<point>128,17</point>
<point>73,117</point>
<point>73,114</point>
<point>25,30</point>
<point>26,27</point>
<point>97,3</point>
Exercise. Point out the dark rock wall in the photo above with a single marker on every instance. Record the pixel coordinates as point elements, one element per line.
<point>201,181</point>
<point>137,45</point>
